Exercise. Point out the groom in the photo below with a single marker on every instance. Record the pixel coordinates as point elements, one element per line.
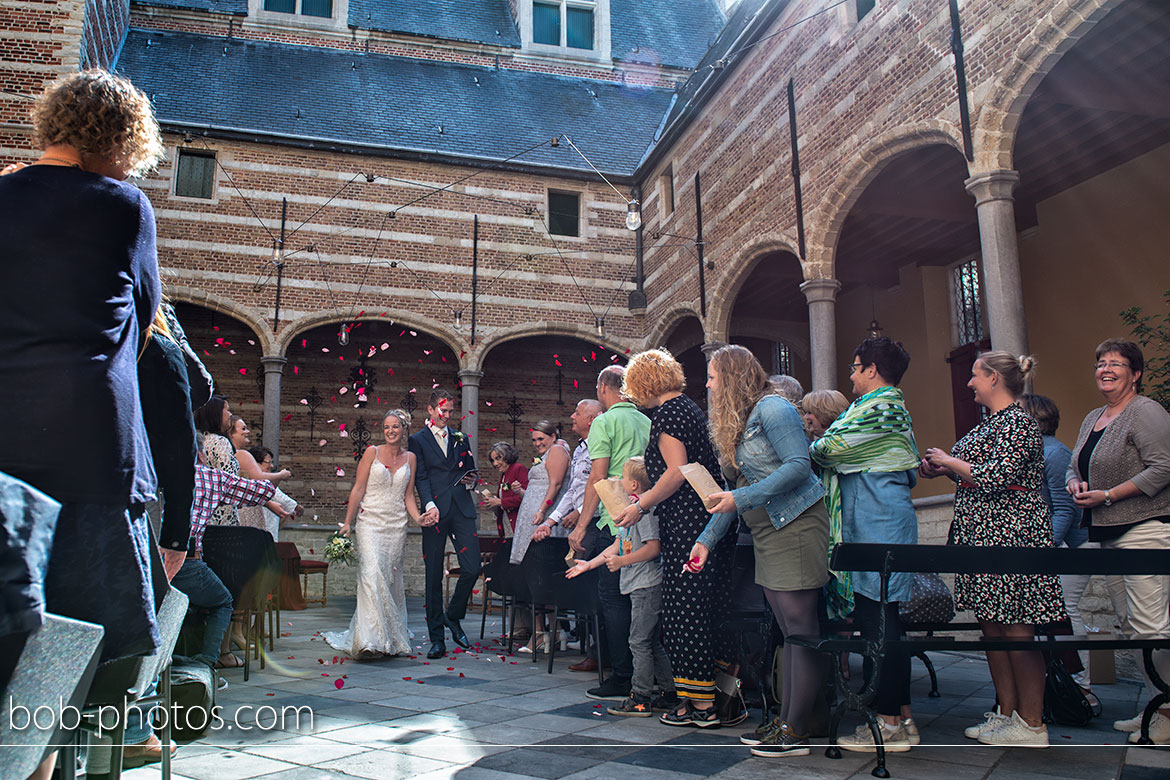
<point>446,474</point>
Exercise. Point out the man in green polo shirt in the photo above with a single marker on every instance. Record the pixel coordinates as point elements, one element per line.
<point>617,435</point>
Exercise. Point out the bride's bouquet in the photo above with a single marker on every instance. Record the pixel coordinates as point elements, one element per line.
<point>340,549</point>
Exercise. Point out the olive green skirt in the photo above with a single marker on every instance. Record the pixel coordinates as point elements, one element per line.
<point>795,557</point>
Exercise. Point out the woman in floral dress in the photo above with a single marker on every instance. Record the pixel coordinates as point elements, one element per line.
<point>999,468</point>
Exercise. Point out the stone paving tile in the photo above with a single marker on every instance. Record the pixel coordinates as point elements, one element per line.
<point>467,773</point>
<point>363,713</point>
<point>611,771</point>
<point>306,750</point>
<point>529,762</point>
<point>226,765</point>
<point>433,723</point>
<point>452,748</point>
<point>506,734</point>
<point>384,764</point>
<point>549,721</point>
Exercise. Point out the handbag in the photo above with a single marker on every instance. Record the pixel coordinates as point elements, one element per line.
<point>729,702</point>
<point>1064,701</point>
<point>930,601</point>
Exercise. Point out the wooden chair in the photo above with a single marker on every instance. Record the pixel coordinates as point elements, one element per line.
<point>314,567</point>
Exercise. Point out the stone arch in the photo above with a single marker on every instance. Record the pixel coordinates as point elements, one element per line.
<point>667,323</point>
<point>476,358</point>
<point>826,221</point>
<point>248,316</point>
<point>452,338</point>
<point>994,133</point>
<point>732,281</point>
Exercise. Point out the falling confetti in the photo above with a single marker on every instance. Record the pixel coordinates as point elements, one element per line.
<point>341,472</point>
<point>339,684</point>
<point>243,371</point>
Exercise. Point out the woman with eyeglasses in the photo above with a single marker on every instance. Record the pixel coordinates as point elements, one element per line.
<point>1119,476</point>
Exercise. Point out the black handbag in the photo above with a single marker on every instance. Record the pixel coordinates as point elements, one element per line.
<point>1064,701</point>
<point>930,601</point>
<point>729,702</point>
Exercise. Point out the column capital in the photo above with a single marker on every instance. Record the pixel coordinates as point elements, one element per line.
<point>818,290</point>
<point>709,348</point>
<point>470,376</point>
<point>992,185</point>
<point>273,364</point>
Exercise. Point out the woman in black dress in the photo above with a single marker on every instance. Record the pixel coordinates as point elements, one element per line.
<point>691,602</point>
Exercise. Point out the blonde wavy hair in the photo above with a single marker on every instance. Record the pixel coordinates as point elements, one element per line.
<point>650,374</point>
<point>403,417</point>
<point>100,115</point>
<point>742,383</point>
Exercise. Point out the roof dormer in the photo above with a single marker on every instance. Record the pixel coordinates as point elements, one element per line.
<point>577,29</point>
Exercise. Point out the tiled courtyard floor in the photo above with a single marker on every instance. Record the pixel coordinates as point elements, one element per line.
<point>477,716</point>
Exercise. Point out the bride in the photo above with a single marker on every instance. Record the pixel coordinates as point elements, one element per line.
<point>384,490</point>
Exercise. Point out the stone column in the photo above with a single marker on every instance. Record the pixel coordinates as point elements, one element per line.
<point>470,424</point>
<point>273,372</point>
<point>821,295</point>
<point>1001,259</point>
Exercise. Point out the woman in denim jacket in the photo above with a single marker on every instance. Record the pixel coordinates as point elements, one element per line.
<point>761,443</point>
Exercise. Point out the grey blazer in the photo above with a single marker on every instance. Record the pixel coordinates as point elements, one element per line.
<point>1135,446</point>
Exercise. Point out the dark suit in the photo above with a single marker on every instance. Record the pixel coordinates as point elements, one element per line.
<point>437,481</point>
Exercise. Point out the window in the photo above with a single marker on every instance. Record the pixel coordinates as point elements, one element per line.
<point>666,189</point>
<point>195,174</point>
<point>546,24</point>
<point>566,23</point>
<point>968,303</point>
<point>318,8</point>
<point>970,339</point>
<point>564,213</point>
<point>781,359</point>
<point>864,7</point>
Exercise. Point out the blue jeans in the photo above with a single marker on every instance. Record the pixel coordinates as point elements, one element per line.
<point>205,590</point>
<point>615,611</point>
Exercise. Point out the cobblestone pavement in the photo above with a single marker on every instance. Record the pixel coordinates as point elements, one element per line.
<point>483,715</point>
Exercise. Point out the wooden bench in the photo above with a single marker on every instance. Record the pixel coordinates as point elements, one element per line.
<point>946,559</point>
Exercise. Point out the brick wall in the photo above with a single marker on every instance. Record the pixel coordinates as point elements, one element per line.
<point>106,23</point>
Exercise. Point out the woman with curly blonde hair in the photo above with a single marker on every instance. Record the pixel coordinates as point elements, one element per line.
<point>78,290</point>
<point>764,453</point>
<point>692,604</point>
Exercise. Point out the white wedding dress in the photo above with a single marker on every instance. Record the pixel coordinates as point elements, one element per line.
<point>379,622</point>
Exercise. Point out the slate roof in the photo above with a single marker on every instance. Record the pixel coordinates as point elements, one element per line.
<point>479,21</point>
<point>394,103</point>
<point>234,7</point>
<point>663,32</point>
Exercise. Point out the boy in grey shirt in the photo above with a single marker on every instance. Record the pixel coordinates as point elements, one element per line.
<point>635,553</point>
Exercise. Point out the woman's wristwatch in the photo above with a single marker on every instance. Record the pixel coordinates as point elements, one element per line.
<point>641,509</point>
<point>1108,500</point>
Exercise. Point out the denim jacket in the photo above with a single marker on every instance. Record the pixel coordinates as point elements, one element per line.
<point>773,457</point>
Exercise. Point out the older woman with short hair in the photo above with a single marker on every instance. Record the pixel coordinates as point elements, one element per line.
<point>510,490</point>
<point>78,290</point>
<point>819,409</point>
<point>692,604</point>
<point>1119,476</point>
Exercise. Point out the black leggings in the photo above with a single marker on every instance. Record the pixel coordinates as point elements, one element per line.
<point>796,612</point>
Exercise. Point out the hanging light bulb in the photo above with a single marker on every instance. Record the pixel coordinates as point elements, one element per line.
<point>633,215</point>
<point>343,335</point>
<point>458,318</point>
<point>875,329</point>
<point>600,326</point>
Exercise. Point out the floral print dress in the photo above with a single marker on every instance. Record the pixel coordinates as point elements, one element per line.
<point>1003,506</point>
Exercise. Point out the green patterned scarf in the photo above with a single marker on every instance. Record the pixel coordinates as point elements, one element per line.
<point>874,434</point>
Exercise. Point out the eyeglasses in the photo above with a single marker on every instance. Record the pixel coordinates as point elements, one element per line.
<point>854,368</point>
<point>1100,364</point>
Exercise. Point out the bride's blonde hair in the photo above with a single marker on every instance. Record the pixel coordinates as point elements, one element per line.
<point>404,418</point>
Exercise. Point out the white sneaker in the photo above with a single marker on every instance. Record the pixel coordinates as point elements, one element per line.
<point>911,731</point>
<point>1159,730</point>
<point>1129,725</point>
<point>1017,733</point>
<point>994,720</point>
<point>894,739</point>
